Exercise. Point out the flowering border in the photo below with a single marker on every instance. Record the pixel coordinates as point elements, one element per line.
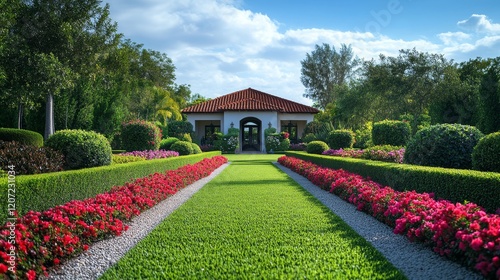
<point>45,239</point>
<point>464,233</point>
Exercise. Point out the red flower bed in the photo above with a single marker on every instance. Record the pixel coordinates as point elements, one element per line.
<point>464,233</point>
<point>40,240</point>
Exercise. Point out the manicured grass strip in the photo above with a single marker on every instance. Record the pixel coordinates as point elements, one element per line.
<point>253,221</point>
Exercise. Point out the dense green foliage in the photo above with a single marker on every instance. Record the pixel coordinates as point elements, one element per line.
<point>43,191</point>
<point>165,144</point>
<point>456,185</point>
<point>319,129</point>
<point>341,139</point>
<point>140,135</point>
<point>267,228</point>
<point>22,136</point>
<point>443,145</point>
<point>486,154</point>
<point>28,159</point>
<point>316,147</point>
<point>182,147</point>
<point>309,137</point>
<point>387,132</point>
<point>179,128</point>
<point>81,148</point>
<point>196,148</point>
<point>119,159</point>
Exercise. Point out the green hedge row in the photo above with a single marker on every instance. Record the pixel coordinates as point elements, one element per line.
<point>43,191</point>
<point>456,185</point>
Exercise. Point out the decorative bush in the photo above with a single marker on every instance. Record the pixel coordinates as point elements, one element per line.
<point>316,147</point>
<point>29,159</point>
<point>233,131</point>
<point>118,159</point>
<point>21,136</point>
<point>165,144</point>
<point>273,143</point>
<point>317,128</point>
<point>309,138</point>
<point>196,148</point>
<point>486,154</point>
<point>387,153</point>
<point>269,131</point>
<point>396,133</point>
<point>226,143</point>
<point>81,148</point>
<point>297,147</point>
<point>182,147</point>
<point>341,139</point>
<point>363,136</point>
<point>179,128</point>
<point>186,137</point>
<point>138,135</point>
<point>443,145</point>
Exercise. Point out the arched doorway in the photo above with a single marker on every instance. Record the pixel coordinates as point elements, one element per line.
<point>251,134</point>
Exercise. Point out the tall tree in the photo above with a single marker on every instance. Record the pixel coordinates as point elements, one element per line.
<point>325,72</point>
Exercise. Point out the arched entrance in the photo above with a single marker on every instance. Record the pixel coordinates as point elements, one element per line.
<point>251,134</point>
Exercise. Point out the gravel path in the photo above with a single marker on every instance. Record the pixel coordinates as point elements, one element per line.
<point>103,254</point>
<point>415,260</point>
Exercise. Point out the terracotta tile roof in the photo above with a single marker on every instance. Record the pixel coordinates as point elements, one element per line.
<point>249,100</point>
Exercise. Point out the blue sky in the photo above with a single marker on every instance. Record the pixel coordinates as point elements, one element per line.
<point>221,46</point>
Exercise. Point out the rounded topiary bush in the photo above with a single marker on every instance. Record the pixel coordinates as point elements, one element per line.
<point>316,147</point>
<point>443,145</point>
<point>138,135</point>
<point>196,148</point>
<point>486,154</point>
<point>182,147</point>
<point>81,148</point>
<point>395,133</point>
<point>309,138</point>
<point>341,139</point>
<point>165,144</point>
<point>22,136</point>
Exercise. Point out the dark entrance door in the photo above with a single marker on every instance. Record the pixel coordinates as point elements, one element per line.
<point>251,134</point>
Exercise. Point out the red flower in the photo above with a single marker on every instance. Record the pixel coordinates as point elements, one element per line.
<point>31,275</point>
<point>3,268</point>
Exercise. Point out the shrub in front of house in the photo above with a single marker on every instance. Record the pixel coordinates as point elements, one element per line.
<point>196,148</point>
<point>486,154</point>
<point>139,135</point>
<point>316,147</point>
<point>226,143</point>
<point>165,144</point>
<point>179,128</point>
<point>443,145</point>
<point>81,149</point>
<point>21,136</point>
<point>341,139</point>
<point>395,133</point>
<point>28,159</point>
<point>309,138</point>
<point>182,147</point>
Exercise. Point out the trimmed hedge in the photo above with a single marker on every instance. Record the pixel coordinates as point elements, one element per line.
<point>341,139</point>
<point>43,191</point>
<point>139,135</point>
<point>23,136</point>
<point>486,154</point>
<point>316,147</point>
<point>456,185</point>
<point>395,133</point>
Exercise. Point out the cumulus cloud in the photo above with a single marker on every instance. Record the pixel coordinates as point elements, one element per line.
<point>480,24</point>
<point>218,47</point>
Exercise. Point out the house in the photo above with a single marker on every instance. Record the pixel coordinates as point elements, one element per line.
<point>251,111</point>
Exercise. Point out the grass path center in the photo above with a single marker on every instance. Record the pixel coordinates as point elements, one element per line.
<point>253,221</point>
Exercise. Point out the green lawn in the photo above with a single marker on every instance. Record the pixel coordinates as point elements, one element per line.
<point>253,221</point>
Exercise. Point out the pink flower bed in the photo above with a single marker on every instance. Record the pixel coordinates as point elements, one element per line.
<point>151,154</point>
<point>464,233</point>
<point>45,239</point>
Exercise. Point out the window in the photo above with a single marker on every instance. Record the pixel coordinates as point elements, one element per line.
<point>291,128</point>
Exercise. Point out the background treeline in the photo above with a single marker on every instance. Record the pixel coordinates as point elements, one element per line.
<point>69,53</point>
<point>419,87</point>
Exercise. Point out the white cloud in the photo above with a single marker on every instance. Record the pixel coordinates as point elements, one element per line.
<point>480,24</point>
<point>219,48</point>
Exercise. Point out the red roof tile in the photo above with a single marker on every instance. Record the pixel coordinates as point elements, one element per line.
<point>249,100</point>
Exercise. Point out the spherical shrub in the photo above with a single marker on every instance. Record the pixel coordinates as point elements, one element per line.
<point>140,135</point>
<point>186,137</point>
<point>316,147</point>
<point>22,136</point>
<point>81,148</point>
<point>340,139</point>
<point>309,138</point>
<point>182,147</point>
<point>443,145</point>
<point>486,154</point>
<point>165,144</point>
<point>196,148</point>
<point>396,133</point>
<point>29,159</point>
